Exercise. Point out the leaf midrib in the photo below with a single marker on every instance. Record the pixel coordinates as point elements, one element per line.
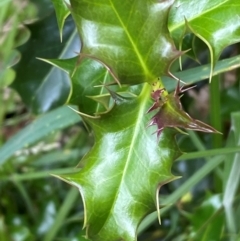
<point>141,60</point>
<point>131,148</point>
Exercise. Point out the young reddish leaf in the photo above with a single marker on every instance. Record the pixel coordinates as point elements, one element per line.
<point>171,113</point>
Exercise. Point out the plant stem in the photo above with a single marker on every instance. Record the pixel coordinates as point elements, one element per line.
<point>215,117</point>
<point>215,113</point>
<point>67,205</point>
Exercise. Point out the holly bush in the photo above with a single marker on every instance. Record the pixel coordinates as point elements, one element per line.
<point>123,73</point>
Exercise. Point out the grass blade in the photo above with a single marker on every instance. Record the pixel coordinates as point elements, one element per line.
<point>41,127</point>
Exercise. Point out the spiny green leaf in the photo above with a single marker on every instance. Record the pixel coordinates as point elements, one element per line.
<point>62,12</point>
<point>90,73</point>
<point>194,47</point>
<point>194,75</point>
<point>216,22</point>
<point>84,79</point>
<point>130,37</point>
<point>40,86</point>
<point>124,170</point>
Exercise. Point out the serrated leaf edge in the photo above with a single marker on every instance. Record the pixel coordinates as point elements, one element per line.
<point>79,188</point>
<point>212,62</point>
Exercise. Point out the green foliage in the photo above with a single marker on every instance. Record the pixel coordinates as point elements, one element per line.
<point>83,81</point>
<point>208,219</point>
<point>111,182</point>
<point>120,79</point>
<point>125,38</point>
<point>214,22</point>
<point>13,34</point>
<point>43,126</point>
<point>62,13</point>
<point>49,87</point>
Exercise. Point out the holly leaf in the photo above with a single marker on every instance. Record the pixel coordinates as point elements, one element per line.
<point>62,13</point>
<point>122,174</point>
<point>87,83</point>
<point>40,86</point>
<point>131,38</point>
<point>216,22</point>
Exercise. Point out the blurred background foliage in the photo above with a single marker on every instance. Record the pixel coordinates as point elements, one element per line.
<point>40,137</point>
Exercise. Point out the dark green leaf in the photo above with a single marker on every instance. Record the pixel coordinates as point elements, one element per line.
<point>62,12</point>
<point>123,172</point>
<point>42,87</point>
<point>194,75</point>
<point>215,22</point>
<point>131,38</point>
<point>84,78</point>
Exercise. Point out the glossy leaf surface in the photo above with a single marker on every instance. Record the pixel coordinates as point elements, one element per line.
<point>123,172</point>
<point>62,12</point>
<point>130,37</point>
<point>84,79</point>
<point>215,22</point>
<point>91,73</point>
<point>47,87</point>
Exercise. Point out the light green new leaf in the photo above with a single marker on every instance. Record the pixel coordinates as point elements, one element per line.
<point>124,170</point>
<point>216,22</point>
<point>12,35</point>
<point>62,13</point>
<point>131,37</point>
